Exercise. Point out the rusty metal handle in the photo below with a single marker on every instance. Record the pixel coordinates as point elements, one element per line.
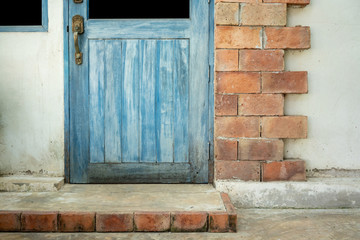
<point>77,28</point>
<point>78,54</point>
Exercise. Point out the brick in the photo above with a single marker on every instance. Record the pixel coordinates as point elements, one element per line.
<point>237,82</point>
<point>287,38</point>
<point>285,82</point>
<point>226,60</point>
<point>226,104</point>
<point>261,104</point>
<point>77,222</point>
<point>261,60</point>
<point>227,13</point>
<point>114,222</point>
<point>10,221</point>
<point>238,37</point>
<point>242,170</point>
<point>235,127</point>
<point>293,170</point>
<point>218,222</point>
<point>259,14</point>
<point>232,222</point>
<point>152,221</point>
<point>39,221</point>
<point>231,211</point>
<point>239,1</point>
<point>226,149</point>
<point>295,2</point>
<point>261,149</point>
<point>189,222</point>
<point>284,127</point>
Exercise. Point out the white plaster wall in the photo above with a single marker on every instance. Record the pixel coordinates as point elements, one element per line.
<point>333,101</point>
<point>32,109</point>
<point>31,99</point>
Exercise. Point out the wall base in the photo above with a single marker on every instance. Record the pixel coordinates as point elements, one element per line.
<point>315,193</point>
<point>30,184</point>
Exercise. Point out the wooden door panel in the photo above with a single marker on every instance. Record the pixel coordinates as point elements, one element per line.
<point>139,100</point>
<point>139,106</point>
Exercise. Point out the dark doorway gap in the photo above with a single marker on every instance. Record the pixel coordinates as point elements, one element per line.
<point>117,9</point>
<point>21,13</point>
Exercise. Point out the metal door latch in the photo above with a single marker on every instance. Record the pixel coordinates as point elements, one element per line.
<point>77,28</point>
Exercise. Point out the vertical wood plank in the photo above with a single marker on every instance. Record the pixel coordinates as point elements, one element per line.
<point>199,102</point>
<point>96,106</point>
<point>181,101</point>
<point>164,117</point>
<point>211,91</point>
<point>147,102</point>
<point>113,96</point>
<point>131,68</point>
<point>79,103</point>
<point>165,101</point>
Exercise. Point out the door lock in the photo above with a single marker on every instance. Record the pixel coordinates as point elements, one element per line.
<point>77,28</point>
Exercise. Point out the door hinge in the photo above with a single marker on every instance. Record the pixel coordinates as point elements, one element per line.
<point>209,69</point>
<point>209,147</point>
<point>67,28</point>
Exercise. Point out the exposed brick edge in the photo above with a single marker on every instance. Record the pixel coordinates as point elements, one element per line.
<point>241,97</point>
<point>290,2</point>
<point>230,217</point>
<point>231,211</point>
<point>286,170</point>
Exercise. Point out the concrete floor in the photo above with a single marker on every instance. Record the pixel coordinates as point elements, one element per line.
<point>253,224</point>
<point>117,198</point>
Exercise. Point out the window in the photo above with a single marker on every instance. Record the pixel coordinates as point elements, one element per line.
<point>25,16</point>
<point>117,9</point>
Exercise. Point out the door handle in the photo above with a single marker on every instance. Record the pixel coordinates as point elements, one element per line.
<point>78,54</point>
<point>77,28</point>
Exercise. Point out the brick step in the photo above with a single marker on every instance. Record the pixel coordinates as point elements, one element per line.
<point>80,209</point>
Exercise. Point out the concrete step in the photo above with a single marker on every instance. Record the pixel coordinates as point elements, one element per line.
<point>30,184</point>
<point>315,193</point>
<point>119,208</point>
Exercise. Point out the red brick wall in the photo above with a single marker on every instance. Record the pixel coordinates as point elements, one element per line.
<point>250,39</point>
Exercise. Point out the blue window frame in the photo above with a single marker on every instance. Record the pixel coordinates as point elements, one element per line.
<point>31,28</point>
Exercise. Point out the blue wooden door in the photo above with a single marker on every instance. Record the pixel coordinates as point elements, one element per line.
<point>139,109</point>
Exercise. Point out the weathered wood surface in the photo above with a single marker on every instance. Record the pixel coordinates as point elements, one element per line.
<point>141,29</point>
<point>139,172</point>
<point>141,96</point>
<point>139,100</point>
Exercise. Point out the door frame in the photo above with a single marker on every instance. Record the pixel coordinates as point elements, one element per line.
<point>67,31</point>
